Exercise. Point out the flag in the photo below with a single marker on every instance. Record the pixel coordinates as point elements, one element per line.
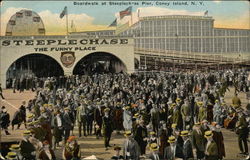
<point>63,12</point>
<point>206,13</point>
<point>126,12</point>
<point>114,23</point>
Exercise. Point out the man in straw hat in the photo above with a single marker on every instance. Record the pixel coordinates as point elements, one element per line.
<point>187,146</point>
<point>131,149</point>
<point>177,116</point>
<point>186,113</point>
<point>211,152</point>
<point>107,127</point>
<point>154,151</point>
<point>28,150</point>
<point>202,115</point>
<point>141,135</point>
<point>173,151</point>
<point>198,141</point>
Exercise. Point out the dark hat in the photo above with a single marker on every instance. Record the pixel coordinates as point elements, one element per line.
<point>117,148</point>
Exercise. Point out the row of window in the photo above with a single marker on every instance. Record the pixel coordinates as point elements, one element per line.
<point>35,19</point>
<point>40,31</point>
<point>26,13</point>
<point>196,44</point>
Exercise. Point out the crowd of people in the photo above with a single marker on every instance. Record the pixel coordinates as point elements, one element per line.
<point>162,115</point>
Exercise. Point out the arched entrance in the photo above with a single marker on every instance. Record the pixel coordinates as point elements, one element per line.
<point>38,65</point>
<point>99,62</point>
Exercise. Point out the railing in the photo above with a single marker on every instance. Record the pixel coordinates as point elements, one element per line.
<point>193,56</point>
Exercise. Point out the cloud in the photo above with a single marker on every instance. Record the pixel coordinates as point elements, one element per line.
<point>241,22</point>
<point>54,25</point>
<point>216,1</point>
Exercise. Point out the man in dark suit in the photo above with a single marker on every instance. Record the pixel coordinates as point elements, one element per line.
<point>67,124</point>
<point>173,151</point>
<point>98,119</point>
<point>107,127</point>
<point>1,92</point>
<point>141,135</point>
<point>211,152</point>
<point>28,150</point>
<point>187,146</point>
<point>242,132</point>
<point>198,141</point>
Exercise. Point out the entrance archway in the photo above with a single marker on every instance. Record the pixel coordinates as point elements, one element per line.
<point>99,62</point>
<point>38,65</point>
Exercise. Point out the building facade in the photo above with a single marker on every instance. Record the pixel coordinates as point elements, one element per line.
<point>188,34</point>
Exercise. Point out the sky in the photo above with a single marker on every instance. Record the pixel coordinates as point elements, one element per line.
<point>227,14</point>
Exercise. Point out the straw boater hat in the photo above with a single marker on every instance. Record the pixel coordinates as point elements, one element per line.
<point>136,115</point>
<point>106,110</point>
<point>173,125</point>
<point>29,123</point>
<point>67,108</point>
<point>15,147</point>
<point>27,132</point>
<point>11,155</point>
<point>208,134</point>
<point>178,100</point>
<point>127,133</point>
<point>197,123</point>
<point>30,115</point>
<point>200,103</point>
<point>184,133</point>
<point>154,147</point>
<point>173,104</point>
<point>152,133</point>
<point>171,139</point>
<point>204,121</point>
<point>127,107</point>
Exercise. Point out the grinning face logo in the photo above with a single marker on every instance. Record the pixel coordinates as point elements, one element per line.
<point>68,59</point>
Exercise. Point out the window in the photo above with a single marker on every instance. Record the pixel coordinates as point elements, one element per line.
<point>36,19</point>
<point>19,15</point>
<point>28,13</point>
<point>41,30</point>
<point>8,34</point>
<point>12,22</point>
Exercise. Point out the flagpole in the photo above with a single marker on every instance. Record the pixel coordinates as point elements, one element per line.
<point>67,25</point>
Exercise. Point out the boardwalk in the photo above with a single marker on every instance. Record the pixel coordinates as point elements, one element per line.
<point>90,145</point>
